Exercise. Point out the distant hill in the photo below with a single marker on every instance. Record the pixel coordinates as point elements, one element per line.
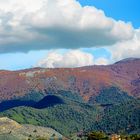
<point>87,81</point>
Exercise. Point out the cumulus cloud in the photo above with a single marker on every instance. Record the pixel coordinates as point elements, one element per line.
<point>101,61</point>
<point>126,49</point>
<point>69,59</point>
<point>47,24</point>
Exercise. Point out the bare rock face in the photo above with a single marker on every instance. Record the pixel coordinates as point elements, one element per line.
<point>11,130</point>
<point>7,125</point>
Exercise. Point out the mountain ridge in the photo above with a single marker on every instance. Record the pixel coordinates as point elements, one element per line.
<point>85,81</point>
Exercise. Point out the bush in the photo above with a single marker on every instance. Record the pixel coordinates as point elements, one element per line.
<point>97,136</point>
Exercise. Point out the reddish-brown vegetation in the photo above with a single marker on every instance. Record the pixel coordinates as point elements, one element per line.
<point>87,81</point>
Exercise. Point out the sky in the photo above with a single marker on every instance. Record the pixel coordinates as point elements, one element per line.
<point>67,33</point>
<point>126,10</point>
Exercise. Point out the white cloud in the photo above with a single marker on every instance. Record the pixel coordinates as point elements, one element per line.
<point>69,59</point>
<point>126,49</point>
<point>101,61</point>
<point>46,24</point>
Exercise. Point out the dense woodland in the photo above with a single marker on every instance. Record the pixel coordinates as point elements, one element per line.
<point>110,113</point>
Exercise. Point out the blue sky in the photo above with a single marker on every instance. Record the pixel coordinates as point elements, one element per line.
<point>14,61</point>
<point>14,57</point>
<point>126,10</point>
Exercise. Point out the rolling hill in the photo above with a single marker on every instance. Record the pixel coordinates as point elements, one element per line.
<point>70,100</point>
<point>86,82</point>
<point>71,116</point>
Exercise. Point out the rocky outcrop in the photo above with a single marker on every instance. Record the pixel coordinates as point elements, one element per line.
<point>10,129</point>
<point>7,125</point>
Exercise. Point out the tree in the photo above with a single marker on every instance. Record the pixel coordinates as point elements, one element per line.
<point>98,135</point>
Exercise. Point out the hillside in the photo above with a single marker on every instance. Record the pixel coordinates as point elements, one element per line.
<point>87,82</point>
<point>99,98</point>
<point>11,130</point>
<point>72,116</point>
<point>66,118</point>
